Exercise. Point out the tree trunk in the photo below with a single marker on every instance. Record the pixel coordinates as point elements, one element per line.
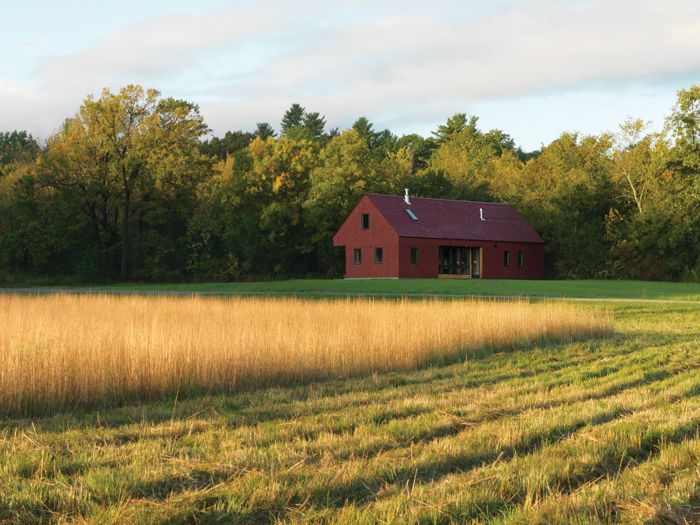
<point>125,237</point>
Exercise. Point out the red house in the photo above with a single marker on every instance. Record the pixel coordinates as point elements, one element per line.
<point>393,236</point>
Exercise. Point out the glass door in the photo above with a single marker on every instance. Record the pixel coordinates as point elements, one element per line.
<point>461,261</point>
<point>457,260</point>
<point>445,260</point>
<point>476,262</point>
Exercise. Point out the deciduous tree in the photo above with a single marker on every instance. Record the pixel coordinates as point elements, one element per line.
<point>122,146</point>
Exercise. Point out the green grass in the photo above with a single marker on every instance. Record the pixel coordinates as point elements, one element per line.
<point>586,432</point>
<point>447,287</point>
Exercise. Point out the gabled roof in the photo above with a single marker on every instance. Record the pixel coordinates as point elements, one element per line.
<point>449,219</point>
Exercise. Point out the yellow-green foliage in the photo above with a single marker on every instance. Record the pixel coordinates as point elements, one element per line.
<point>61,351</point>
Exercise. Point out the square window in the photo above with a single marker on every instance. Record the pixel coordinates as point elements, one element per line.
<point>506,258</point>
<point>364,222</point>
<point>358,256</point>
<point>414,255</point>
<point>378,255</point>
<point>521,259</point>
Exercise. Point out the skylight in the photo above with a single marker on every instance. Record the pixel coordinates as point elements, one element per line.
<point>411,214</point>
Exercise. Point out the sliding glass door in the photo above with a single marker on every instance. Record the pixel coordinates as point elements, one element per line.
<point>460,260</point>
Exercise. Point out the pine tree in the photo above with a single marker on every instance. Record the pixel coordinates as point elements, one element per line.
<point>314,124</point>
<point>264,130</point>
<point>454,124</point>
<point>364,129</point>
<point>294,117</point>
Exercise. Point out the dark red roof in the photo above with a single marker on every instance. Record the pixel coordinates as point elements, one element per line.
<point>449,219</point>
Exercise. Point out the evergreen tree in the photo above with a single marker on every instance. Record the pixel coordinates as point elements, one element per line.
<point>293,118</point>
<point>364,129</point>
<point>455,124</point>
<point>313,124</point>
<point>229,144</point>
<point>16,147</point>
<point>264,131</point>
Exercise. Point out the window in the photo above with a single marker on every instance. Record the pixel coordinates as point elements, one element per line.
<point>358,256</point>
<point>364,223</point>
<point>414,255</point>
<point>521,259</point>
<point>378,255</point>
<point>411,214</point>
<point>506,258</point>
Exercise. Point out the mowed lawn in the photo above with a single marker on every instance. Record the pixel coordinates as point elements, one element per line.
<point>440,287</point>
<point>604,430</point>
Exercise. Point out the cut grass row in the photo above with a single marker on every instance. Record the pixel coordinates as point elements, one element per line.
<point>585,432</point>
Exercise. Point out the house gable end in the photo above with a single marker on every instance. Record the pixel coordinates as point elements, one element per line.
<point>349,230</point>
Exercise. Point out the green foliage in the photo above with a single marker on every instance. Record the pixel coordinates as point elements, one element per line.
<point>298,124</point>
<point>465,157</point>
<point>314,125</point>
<point>250,218</point>
<point>381,143</point>
<point>130,162</point>
<point>223,226</point>
<point>421,149</point>
<point>566,193</point>
<point>345,172</point>
<point>128,187</point>
<point>232,142</point>
<point>455,124</point>
<point>293,118</point>
<point>17,147</point>
<point>32,225</point>
<point>684,127</point>
<point>264,130</point>
<point>364,129</point>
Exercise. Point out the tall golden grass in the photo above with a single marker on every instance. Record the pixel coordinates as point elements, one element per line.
<point>63,351</point>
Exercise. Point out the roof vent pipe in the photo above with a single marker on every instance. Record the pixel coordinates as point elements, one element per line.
<point>481,214</point>
<point>406,199</point>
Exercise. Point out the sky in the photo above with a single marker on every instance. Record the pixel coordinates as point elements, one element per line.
<point>532,68</point>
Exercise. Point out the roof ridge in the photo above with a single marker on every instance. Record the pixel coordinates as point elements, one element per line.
<point>440,199</point>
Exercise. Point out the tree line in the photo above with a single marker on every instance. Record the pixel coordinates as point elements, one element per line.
<point>134,188</point>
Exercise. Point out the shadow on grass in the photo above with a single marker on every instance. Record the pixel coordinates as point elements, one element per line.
<point>245,404</point>
<point>611,464</point>
<point>363,490</point>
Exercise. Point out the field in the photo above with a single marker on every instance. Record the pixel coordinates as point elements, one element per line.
<point>544,431</point>
<point>58,352</point>
<point>590,289</point>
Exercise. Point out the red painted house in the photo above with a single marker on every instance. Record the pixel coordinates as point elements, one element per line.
<point>393,236</point>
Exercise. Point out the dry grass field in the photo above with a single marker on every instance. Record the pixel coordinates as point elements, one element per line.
<point>577,431</point>
<point>61,352</point>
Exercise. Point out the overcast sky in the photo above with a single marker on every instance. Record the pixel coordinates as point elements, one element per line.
<point>531,68</point>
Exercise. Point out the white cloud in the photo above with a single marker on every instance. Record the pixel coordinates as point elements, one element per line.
<point>399,63</point>
<point>161,45</point>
